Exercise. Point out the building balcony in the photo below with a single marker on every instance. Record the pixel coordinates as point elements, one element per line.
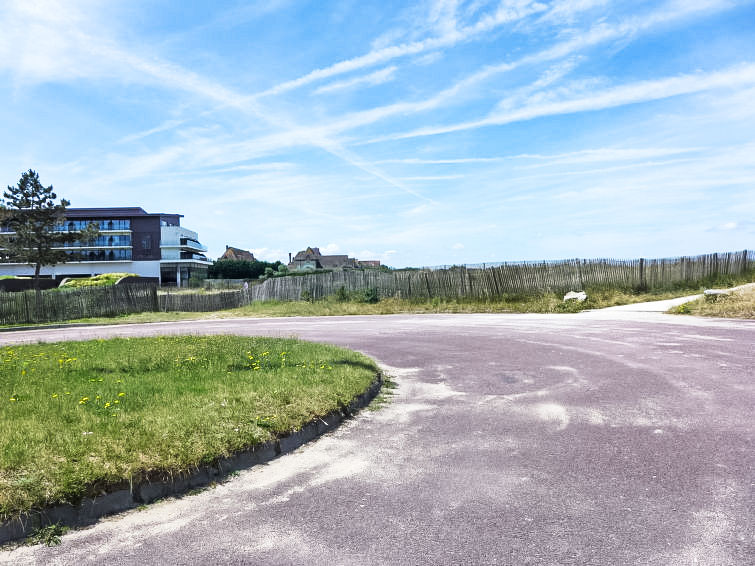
<point>192,245</point>
<point>120,254</point>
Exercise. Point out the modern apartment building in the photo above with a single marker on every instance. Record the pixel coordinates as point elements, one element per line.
<point>131,240</point>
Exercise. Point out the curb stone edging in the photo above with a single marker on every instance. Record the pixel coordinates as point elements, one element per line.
<point>90,510</point>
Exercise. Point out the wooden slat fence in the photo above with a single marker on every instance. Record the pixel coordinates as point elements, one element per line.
<point>202,302</point>
<point>452,283</point>
<point>513,278</point>
<point>68,304</point>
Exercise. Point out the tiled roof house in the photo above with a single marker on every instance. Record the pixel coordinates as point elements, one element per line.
<point>237,254</point>
<point>311,258</point>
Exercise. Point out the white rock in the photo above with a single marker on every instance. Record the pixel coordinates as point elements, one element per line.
<point>716,292</point>
<point>579,296</point>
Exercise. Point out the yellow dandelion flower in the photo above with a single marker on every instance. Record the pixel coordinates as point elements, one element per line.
<point>121,394</point>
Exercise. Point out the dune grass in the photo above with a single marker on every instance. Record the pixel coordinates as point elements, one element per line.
<point>79,417</point>
<point>737,304</point>
<point>544,303</point>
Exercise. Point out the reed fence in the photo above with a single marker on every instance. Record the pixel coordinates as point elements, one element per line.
<point>202,302</point>
<point>456,282</point>
<point>522,278</point>
<point>67,304</point>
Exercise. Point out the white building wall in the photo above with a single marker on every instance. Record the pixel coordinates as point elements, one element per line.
<point>170,241</point>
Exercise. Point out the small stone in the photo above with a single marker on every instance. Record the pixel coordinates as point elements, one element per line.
<point>574,295</point>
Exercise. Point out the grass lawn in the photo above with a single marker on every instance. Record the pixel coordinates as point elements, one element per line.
<point>738,304</point>
<point>77,417</point>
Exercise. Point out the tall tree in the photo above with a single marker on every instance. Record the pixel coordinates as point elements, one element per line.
<point>32,226</point>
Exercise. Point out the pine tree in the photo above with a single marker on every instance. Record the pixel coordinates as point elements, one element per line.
<point>32,223</point>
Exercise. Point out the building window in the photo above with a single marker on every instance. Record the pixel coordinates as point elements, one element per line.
<point>147,242</point>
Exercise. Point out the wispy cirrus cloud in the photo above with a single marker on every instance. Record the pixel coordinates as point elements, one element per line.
<point>505,13</point>
<point>563,52</point>
<point>633,93</point>
<point>372,79</point>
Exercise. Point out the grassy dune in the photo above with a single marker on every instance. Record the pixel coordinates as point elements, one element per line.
<point>738,304</point>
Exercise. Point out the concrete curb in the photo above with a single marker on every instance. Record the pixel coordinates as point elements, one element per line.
<point>125,497</point>
<point>47,326</point>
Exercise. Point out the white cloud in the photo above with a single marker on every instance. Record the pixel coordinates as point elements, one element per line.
<point>641,91</point>
<point>376,78</point>
<point>432,178</point>
<point>451,161</point>
<point>504,14</point>
<point>598,34</point>
<point>457,246</point>
<point>565,11</point>
<point>330,249</point>
<point>267,254</point>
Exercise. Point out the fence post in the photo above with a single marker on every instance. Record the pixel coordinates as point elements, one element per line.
<point>643,284</point>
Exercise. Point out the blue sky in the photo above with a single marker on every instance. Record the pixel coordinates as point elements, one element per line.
<point>419,133</point>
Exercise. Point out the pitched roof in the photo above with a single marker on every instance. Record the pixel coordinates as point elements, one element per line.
<point>237,254</point>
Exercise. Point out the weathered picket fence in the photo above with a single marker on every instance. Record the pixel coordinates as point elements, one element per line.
<point>524,278</point>
<point>202,302</point>
<point>455,282</point>
<point>67,304</point>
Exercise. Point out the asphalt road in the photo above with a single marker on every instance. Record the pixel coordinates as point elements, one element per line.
<point>619,437</point>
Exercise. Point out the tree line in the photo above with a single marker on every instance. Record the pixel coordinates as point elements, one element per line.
<point>240,269</point>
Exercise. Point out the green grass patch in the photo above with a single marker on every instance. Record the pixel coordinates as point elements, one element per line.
<point>387,391</point>
<point>80,417</point>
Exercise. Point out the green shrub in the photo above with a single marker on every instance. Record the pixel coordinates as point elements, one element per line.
<point>102,280</point>
<point>239,269</point>
<point>342,295</point>
<point>369,295</point>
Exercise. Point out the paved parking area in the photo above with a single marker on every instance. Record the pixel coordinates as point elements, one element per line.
<point>594,438</point>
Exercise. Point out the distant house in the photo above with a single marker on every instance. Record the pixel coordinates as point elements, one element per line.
<point>311,259</point>
<point>237,254</point>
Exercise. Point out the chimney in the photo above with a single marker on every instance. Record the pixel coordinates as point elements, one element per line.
<point>226,246</point>
<point>289,257</point>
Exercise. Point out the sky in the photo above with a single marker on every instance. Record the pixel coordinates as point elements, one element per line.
<point>416,133</point>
